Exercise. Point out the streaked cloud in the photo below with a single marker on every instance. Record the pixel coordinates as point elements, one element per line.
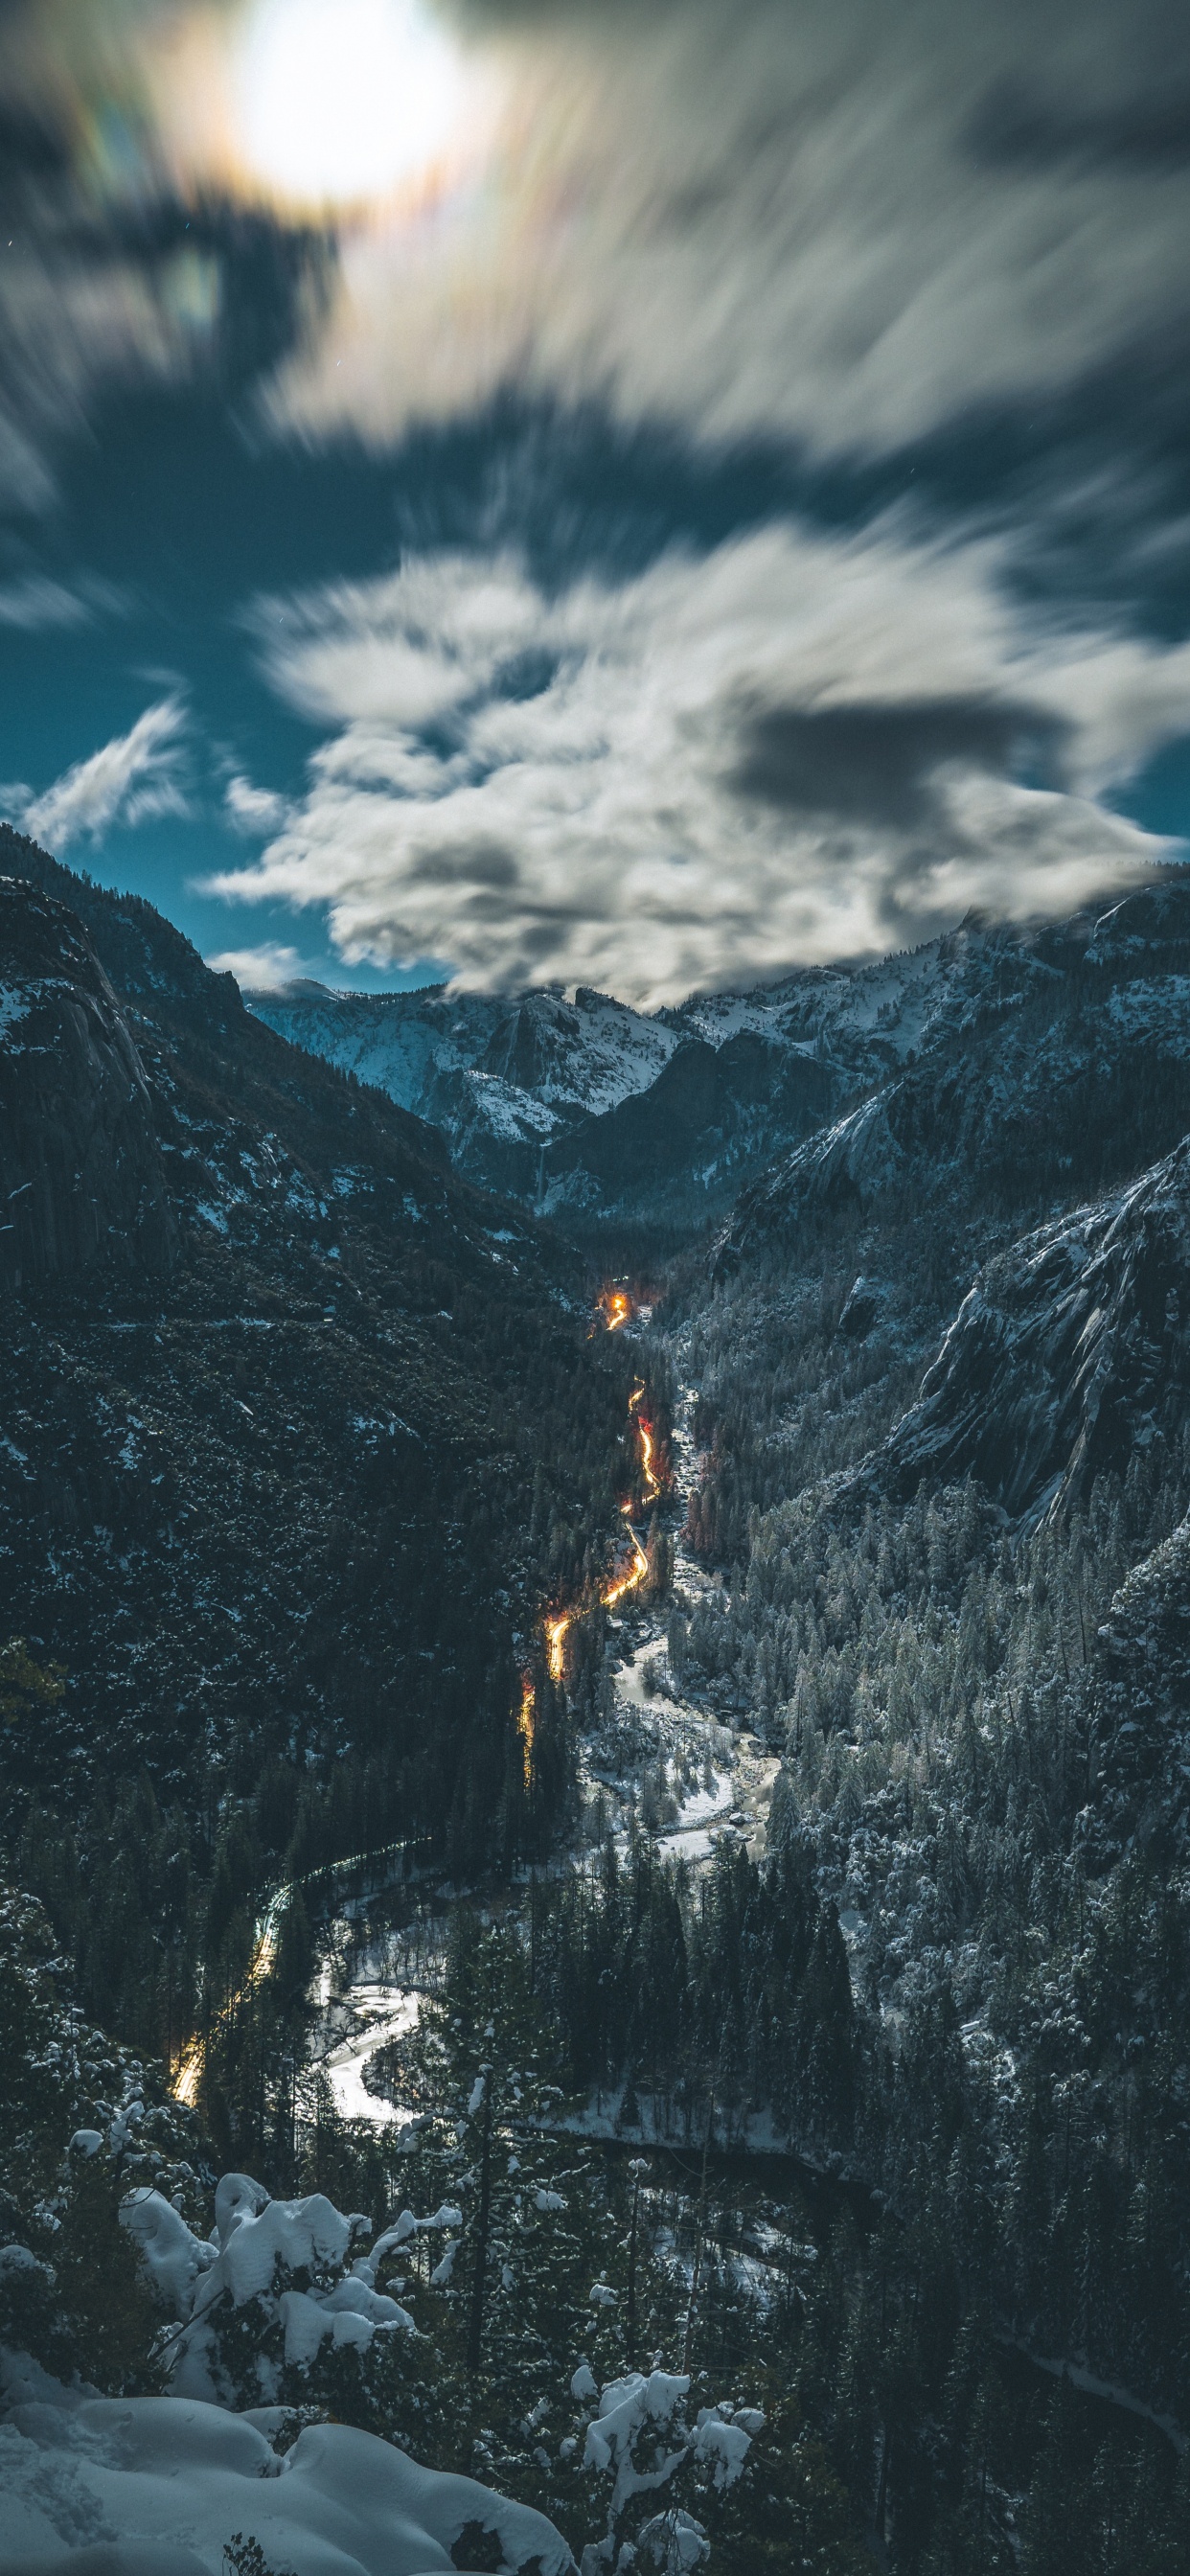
<point>260,970</point>
<point>37,604</point>
<point>794,747</point>
<point>254,811</point>
<point>846,225</point>
<point>133,778</point>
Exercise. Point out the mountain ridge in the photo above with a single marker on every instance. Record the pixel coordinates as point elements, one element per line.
<point>592,1110</point>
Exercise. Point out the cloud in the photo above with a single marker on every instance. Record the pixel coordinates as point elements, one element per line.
<point>255,811</point>
<point>36,604</point>
<point>885,765</point>
<point>120,267</point>
<point>130,780</point>
<point>842,229</point>
<point>72,325</point>
<point>791,748</point>
<point>260,970</point>
<point>845,225</point>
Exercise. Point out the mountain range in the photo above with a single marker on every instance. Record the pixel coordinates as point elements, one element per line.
<point>589,1111</point>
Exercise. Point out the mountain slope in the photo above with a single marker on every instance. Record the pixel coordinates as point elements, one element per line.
<point>1052,1062</point>
<point>272,1412</point>
<point>1140,1696</point>
<point>585,1107</point>
<point>1072,1348</point>
<point>81,1172</point>
<point>492,1074</point>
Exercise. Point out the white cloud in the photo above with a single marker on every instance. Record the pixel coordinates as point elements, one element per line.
<point>845,223</point>
<point>255,811</point>
<point>36,604</point>
<point>131,779</point>
<point>261,970</point>
<point>794,748</point>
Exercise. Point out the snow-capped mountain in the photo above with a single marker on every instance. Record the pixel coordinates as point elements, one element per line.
<point>588,1108</point>
<point>492,1073</point>
<point>1033,1065</point>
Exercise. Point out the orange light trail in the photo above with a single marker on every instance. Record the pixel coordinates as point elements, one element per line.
<point>555,1639</point>
<point>527,1725</point>
<point>557,1629</point>
<point>188,2072</point>
<point>647,1443</point>
<point>615,1306</point>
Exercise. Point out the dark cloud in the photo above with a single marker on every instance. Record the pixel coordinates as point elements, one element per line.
<point>34,153</point>
<point>270,279</point>
<point>481,862</point>
<point>878,764</point>
<point>1016,127</point>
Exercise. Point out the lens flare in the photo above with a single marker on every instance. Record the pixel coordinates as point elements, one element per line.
<point>345,100</point>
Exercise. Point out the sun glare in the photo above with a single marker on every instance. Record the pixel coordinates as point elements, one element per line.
<point>343,100</point>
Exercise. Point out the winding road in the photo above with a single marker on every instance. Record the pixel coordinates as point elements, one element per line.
<point>187,2073</point>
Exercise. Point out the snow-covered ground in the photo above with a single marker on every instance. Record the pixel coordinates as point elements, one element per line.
<point>162,2486</point>
<point>157,2486</point>
<point>382,2013</point>
<point>695,1843</point>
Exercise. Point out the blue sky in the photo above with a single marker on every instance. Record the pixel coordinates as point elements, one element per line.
<point>720,498</point>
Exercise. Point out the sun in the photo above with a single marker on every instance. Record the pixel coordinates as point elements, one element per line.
<point>345,100</point>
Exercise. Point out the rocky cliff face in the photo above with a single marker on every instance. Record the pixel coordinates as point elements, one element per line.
<point>1071,1348</point>
<point>678,1148</point>
<point>1049,1063</point>
<point>82,1185</point>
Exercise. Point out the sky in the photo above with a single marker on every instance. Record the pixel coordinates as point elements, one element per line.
<point>644,494</point>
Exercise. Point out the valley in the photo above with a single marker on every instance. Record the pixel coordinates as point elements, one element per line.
<point>650,1723</point>
<point>594,1288</point>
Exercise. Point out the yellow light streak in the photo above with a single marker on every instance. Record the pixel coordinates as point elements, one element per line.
<point>527,1726</point>
<point>647,1443</point>
<point>190,2067</point>
<point>557,1626</point>
<point>555,1638</point>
